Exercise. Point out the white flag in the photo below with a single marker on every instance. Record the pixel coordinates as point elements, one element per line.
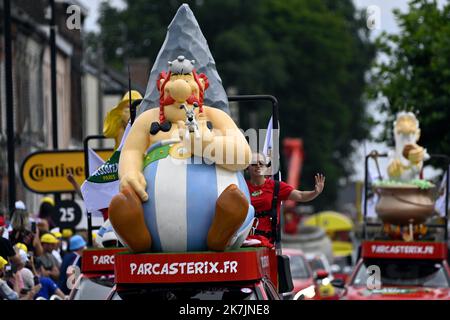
<point>268,140</point>
<point>103,184</point>
<point>94,161</point>
<point>268,149</point>
<point>371,201</point>
<point>439,206</point>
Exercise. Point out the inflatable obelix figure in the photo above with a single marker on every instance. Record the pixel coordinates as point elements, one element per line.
<point>406,161</point>
<point>180,180</point>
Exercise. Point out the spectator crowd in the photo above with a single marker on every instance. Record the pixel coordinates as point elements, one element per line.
<point>35,255</point>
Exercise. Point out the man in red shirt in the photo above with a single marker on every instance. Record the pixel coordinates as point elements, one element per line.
<point>261,195</point>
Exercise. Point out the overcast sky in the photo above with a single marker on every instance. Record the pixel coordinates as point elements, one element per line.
<point>388,24</point>
<point>93,5</point>
<point>386,6</point>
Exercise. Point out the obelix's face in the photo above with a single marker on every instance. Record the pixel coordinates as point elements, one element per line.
<point>180,89</point>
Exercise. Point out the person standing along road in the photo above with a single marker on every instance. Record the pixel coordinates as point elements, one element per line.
<point>3,228</point>
<point>26,276</point>
<point>48,286</point>
<point>47,211</point>
<point>49,261</point>
<point>7,251</point>
<point>24,231</point>
<point>13,294</point>
<point>57,250</point>
<point>5,291</point>
<point>262,191</point>
<point>76,245</point>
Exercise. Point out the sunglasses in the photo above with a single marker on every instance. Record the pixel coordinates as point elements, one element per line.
<point>257,164</point>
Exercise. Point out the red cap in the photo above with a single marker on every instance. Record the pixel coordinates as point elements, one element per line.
<point>2,221</point>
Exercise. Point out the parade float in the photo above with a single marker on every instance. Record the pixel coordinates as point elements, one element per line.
<point>183,210</point>
<point>408,251</point>
<point>405,199</point>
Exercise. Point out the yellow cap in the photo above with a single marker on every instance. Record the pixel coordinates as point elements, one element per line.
<point>49,238</point>
<point>3,262</point>
<point>94,235</point>
<point>67,233</point>
<point>48,200</point>
<point>21,246</point>
<point>58,235</point>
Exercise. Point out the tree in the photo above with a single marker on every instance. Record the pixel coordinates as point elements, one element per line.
<point>312,55</point>
<point>416,75</point>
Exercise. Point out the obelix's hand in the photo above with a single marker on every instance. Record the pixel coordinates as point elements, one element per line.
<point>136,181</point>
<point>206,134</point>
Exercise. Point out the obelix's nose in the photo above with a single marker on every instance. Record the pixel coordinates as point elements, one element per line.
<point>180,90</point>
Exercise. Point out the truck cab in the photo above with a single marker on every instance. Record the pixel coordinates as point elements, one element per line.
<point>399,258</point>
<point>397,270</point>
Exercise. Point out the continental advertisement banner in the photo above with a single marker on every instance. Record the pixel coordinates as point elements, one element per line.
<point>46,171</point>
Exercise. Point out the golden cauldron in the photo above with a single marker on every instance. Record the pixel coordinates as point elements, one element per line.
<point>401,205</point>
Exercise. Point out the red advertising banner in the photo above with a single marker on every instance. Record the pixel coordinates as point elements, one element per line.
<point>404,250</point>
<point>236,265</point>
<point>99,260</point>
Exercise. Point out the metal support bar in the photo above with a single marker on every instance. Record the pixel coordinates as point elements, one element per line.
<point>447,176</point>
<point>275,115</point>
<point>9,107</point>
<point>53,83</point>
<point>373,154</point>
<point>86,174</point>
<point>54,97</point>
<point>275,137</point>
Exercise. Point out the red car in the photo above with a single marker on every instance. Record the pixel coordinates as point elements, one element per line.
<point>302,275</point>
<point>396,270</point>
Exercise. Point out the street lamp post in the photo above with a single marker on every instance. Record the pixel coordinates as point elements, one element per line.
<point>53,75</point>
<point>53,83</point>
<point>9,106</point>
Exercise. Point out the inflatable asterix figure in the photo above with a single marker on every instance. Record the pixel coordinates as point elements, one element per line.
<point>406,161</point>
<point>183,191</point>
<point>102,184</point>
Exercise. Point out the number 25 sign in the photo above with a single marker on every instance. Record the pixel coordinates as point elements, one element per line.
<point>68,214</point>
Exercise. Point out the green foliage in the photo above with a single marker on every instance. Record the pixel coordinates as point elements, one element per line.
<point>417,75</point>
<point>419,183</point>
<point>312,55</point>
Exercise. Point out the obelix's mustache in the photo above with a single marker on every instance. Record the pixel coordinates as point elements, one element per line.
<point>169,100</point>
